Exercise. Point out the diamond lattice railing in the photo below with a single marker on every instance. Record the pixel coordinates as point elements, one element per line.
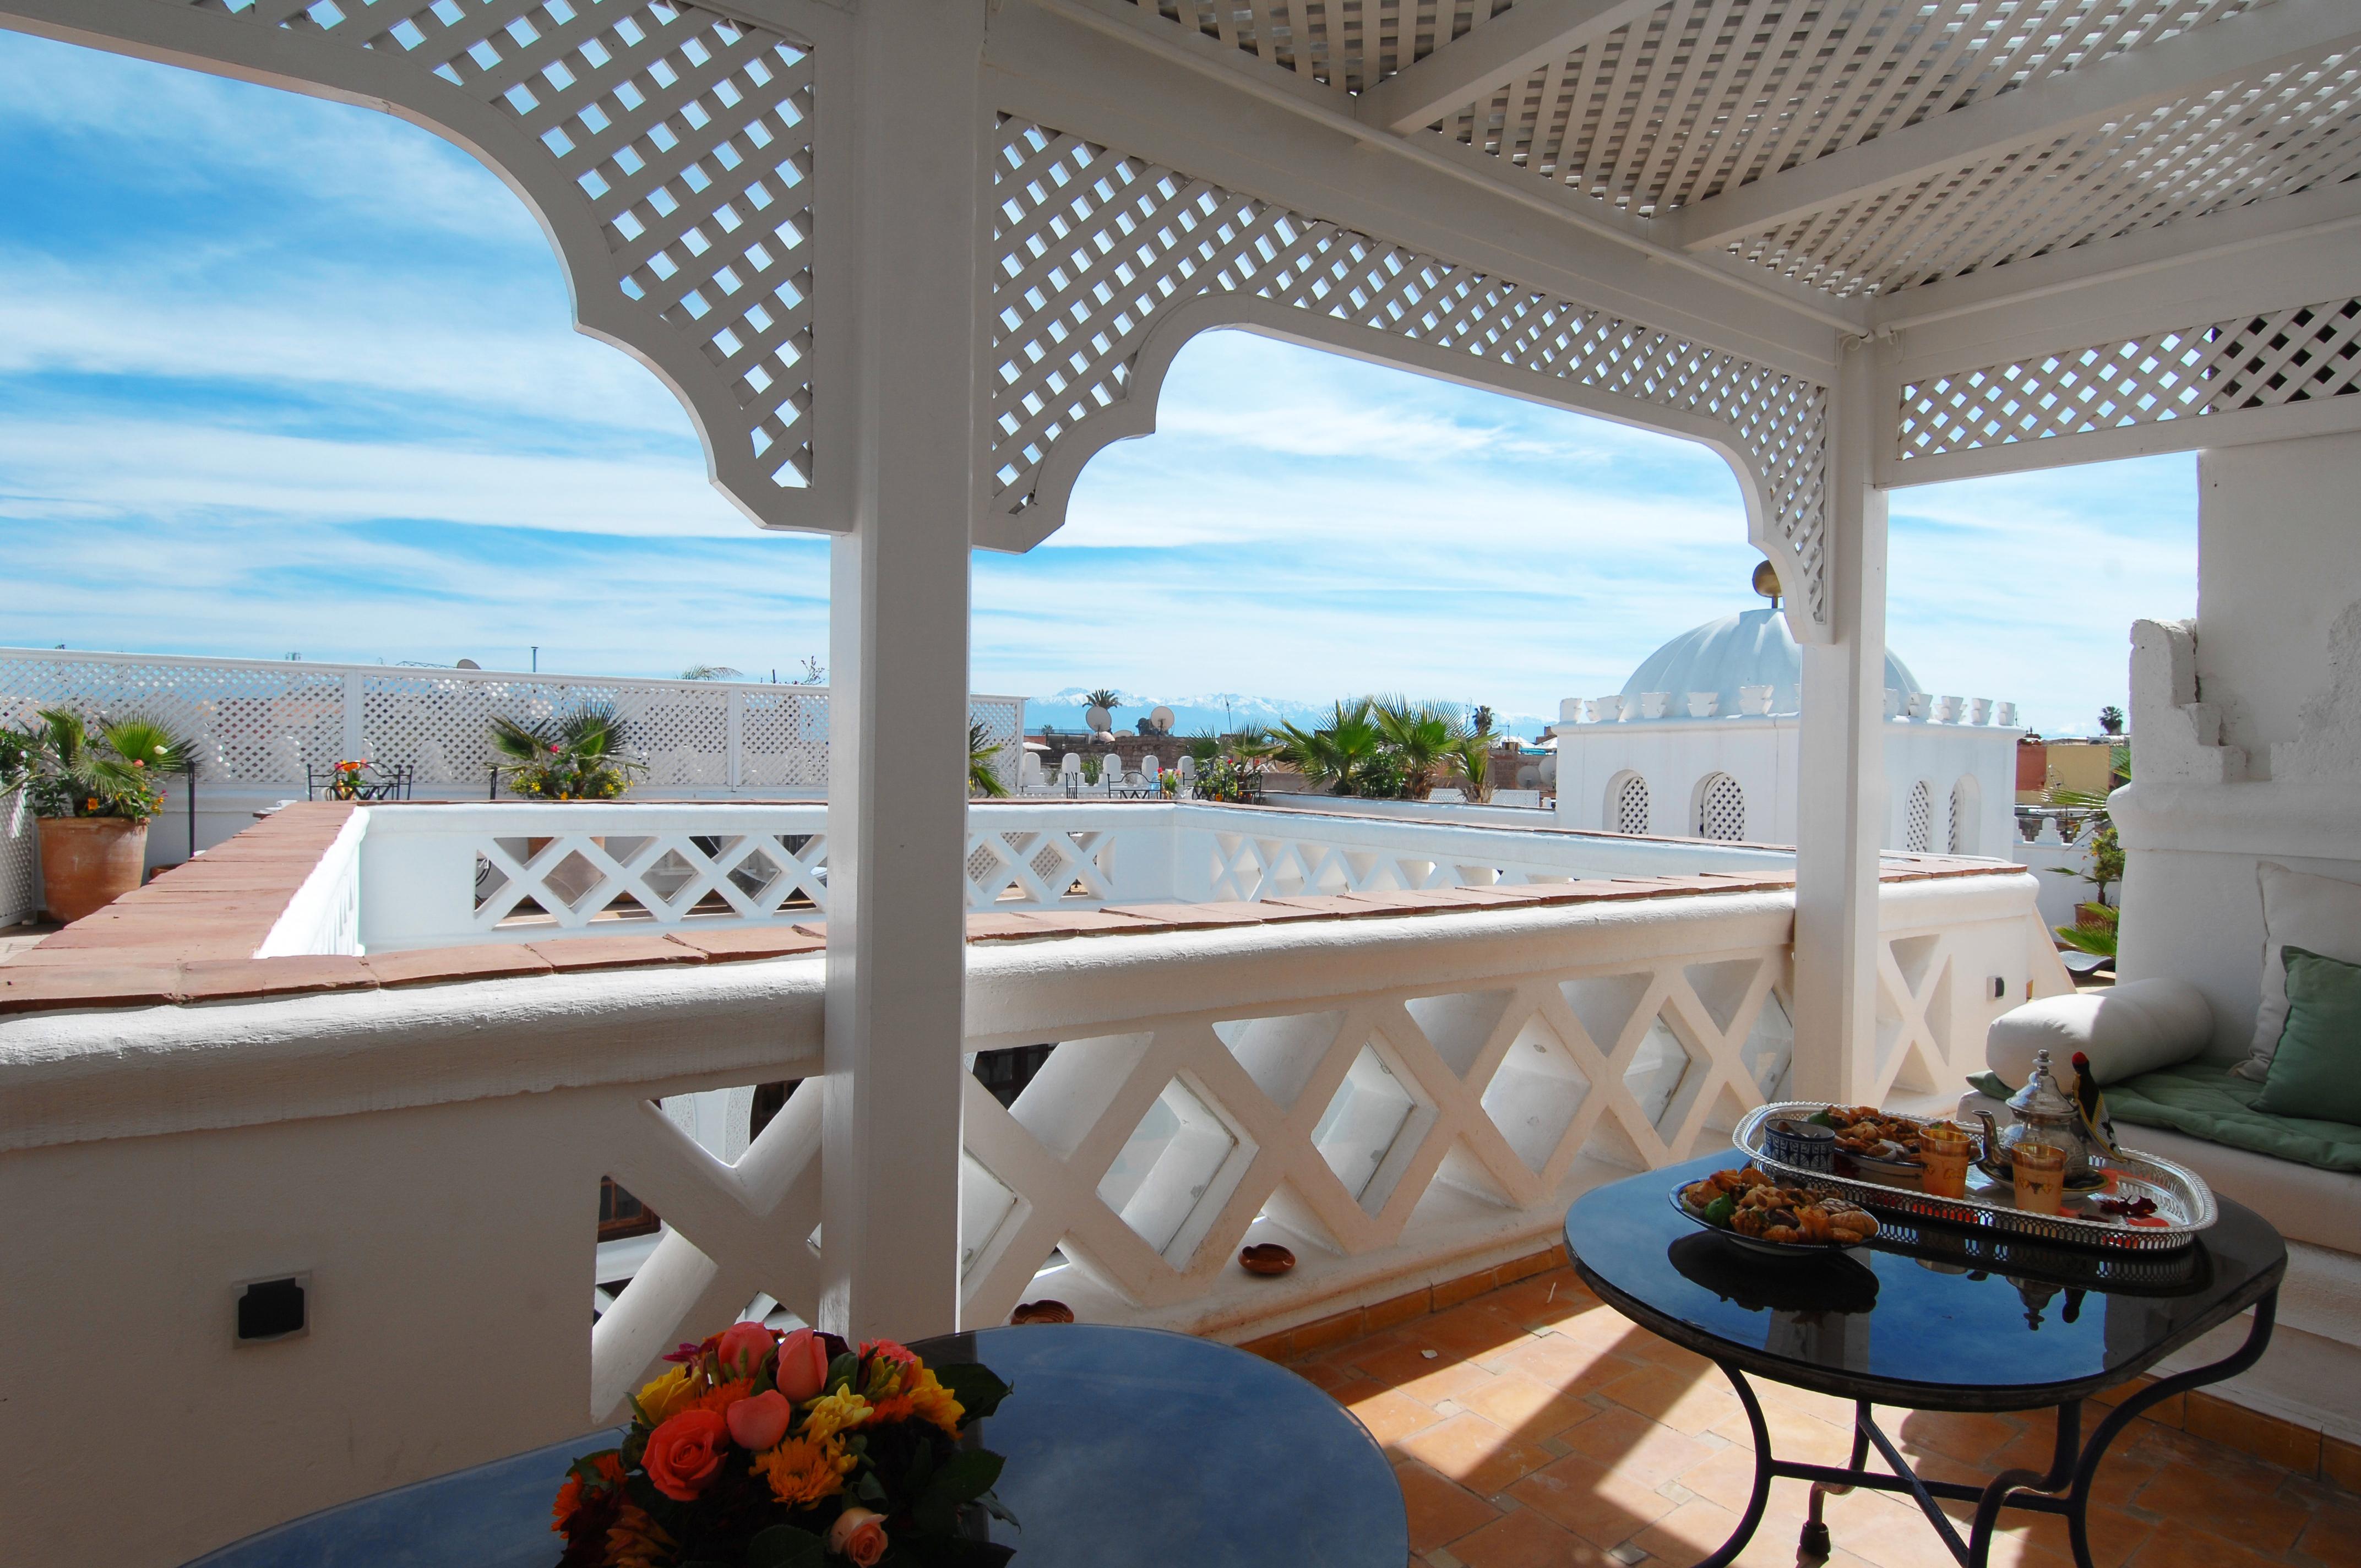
<point>1145,1156</point>
<point>686,136</point>
<point>1094,243</point>
<point>2288,357</point>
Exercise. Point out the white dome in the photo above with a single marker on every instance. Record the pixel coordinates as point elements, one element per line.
<point>1753,648</point>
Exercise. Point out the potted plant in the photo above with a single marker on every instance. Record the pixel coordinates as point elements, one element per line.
<point>92,792</point>
<point>578,757</point>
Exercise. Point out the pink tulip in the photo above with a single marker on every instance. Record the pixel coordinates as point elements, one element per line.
<point>743,1347</point>
<point>803,1365</point>
<point>760,1422</point>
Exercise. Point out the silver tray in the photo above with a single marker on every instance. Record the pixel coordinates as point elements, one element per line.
<point>2183,1202</point>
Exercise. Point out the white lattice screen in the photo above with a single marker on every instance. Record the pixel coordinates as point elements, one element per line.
<point>1721,809</point>
<point>17,844</point>
<point>264,723</point>
<point>687,134</point>
<point>2289,356</point>
<point>1918,819</point>
<point>1094,242</point>
<point>1350,46</point>
<point>1631,805</point>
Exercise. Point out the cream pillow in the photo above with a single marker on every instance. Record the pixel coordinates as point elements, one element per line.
<point>2126,1029</point>
<point>2318,914</point>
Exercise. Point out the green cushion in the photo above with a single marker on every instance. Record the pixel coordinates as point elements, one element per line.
<point>2205,1101</point>
<point>2316,1070</point>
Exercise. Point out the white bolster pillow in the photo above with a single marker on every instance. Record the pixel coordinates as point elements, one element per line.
<point>2126,1029</point>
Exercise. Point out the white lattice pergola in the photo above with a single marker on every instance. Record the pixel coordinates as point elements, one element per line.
<point>910,263</point>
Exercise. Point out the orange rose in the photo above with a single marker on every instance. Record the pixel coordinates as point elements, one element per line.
<point>860,1535</point>
<point>685,1454</point>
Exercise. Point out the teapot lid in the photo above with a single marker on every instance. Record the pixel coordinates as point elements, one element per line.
<point>2041,1097</point>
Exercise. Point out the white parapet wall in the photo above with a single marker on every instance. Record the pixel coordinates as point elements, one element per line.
<point>1400,1098</point>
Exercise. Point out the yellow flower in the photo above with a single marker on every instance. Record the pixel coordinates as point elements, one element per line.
<point>832,1413</point>
<point>803,1470</point>
<point>635,1541</point>
<point>935,1403</point>
<point>676,1392</point>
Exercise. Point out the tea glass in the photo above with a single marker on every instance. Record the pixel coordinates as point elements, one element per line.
<point>2039,1174</point>
<point>1944,1149</point>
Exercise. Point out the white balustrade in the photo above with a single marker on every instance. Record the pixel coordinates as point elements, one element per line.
<point>1652,705</point>
<point>1703,705</point>
<point>1397,1099</point>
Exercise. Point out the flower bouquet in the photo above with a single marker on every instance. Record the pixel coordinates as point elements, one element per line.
<point>758,1450</point>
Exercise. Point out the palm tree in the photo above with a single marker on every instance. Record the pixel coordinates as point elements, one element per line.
<point>983,778</point>
<point>1103,698</point>
<point>578,757</point>
<point>1344,754</point>
<point>1417,737</point>
<point>110,771</point>
<point>708,673</point>
<point>1470,757</point>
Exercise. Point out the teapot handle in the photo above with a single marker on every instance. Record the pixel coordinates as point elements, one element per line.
<point>1991,1164</point>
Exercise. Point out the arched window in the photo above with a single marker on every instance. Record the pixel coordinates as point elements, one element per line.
<point>1720,808</point>
<point>1918,819</point>
<point>1627,804</point>
<point>1967,812</point>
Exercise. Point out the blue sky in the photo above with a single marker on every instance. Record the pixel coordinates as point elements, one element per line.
<point>280,375</point>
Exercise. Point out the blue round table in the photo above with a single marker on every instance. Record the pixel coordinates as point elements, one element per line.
<point>1123,1446</point>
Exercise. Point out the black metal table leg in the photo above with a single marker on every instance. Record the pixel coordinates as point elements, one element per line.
<point>1761,1496</point>
<point>1815,1542</point>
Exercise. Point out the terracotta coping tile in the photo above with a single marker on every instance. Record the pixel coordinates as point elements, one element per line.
<point>1321,904</point>
<point>23,989</point>
<point>486,960</point>
<point>750,942</point>
<point>813,929</point>
<point>1087,922</point>
<point>994,927</point>
<point>1193,916</point>
<point>203,980</point>
<point>608,952</point>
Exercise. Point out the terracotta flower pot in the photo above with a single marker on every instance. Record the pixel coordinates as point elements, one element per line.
<point>88,862</point>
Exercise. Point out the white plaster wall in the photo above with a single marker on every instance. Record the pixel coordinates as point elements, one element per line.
<point>2278,559</point>
<point>1674,755</point>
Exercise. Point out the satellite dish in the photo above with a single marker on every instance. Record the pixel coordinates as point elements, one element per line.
<point>468,665</point>
<point>1162,719</point>
<point>1097,718</point>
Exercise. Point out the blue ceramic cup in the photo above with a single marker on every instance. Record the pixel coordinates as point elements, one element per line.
<point>1807,1145</point>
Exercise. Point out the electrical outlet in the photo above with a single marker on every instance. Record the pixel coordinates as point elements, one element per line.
<point>1999,984</point>
<point>269,1310</point>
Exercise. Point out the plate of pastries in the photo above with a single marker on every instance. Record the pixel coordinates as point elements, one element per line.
<point>1750,1209</point>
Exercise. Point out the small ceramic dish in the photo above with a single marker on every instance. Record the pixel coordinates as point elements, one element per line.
<point>1892,1161</point>
<point>1266,1258</point>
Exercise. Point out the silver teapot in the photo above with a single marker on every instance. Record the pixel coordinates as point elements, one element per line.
<point>2045,1115</point>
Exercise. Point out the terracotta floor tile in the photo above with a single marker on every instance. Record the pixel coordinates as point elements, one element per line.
<point>2170,1547</point>
<point>1528,1407</point>
<point>1634,1446</point>
<point>1569,1366</point>
<point>1391,1416</point>
<point>2121,1475</point>
<point>1966,1436</point>
<point>2333,1536</point>
<point>1688,1401</point>
<point>1595,1502</point>
<point>1524,1539</point>
<point>1404,1368</point>
<point>1466,1333</point>
<point>2115,1536</point>
<point>1666,1353</point>
<point>1440,1510</point>
<point>1321,1374</point>
<point>1698,1528</point>
<point>1838,1413</point>
<point>2226,1500</point>
<point>1472,1451</point>
<point>1793,1434</point>
<point>1543,1298</point>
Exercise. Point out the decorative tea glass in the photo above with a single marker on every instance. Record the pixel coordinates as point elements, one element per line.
<point>2040,1170</point>
<point>1944,1149</point>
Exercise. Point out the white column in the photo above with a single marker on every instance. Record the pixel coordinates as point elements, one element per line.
<point>897,635</point>
<point>1841,766</point>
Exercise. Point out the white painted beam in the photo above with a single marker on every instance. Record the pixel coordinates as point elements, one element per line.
<point>2253,43</point>
<point>1526,38</point>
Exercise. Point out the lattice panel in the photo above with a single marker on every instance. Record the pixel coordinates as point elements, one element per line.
<point>1146,1155</point>
<point>688,135</point>
<point>1252,866</point>
<point>1094,242</point>
<point>247,723</point>
<point>443,725</point>
<point>17,836</point>
<point>1352,46</point>
<point>1705,95</point>
<point>785,741</point>
<point>1721,809</point>
<point>574,879</point>
<point>1631,805</point>
<point>1004,725</point>
<point>2289,356</point>
<point>1918,819</point>
<point>2272,136</point>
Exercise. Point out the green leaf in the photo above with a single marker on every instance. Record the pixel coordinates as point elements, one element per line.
<point>870,1490</point>
<point>785,1546</point>
<point>977,1387</point>
<point>968,1475</point>
<point>989,1502</point>
<point>586,1469</point>
<point>844,1371</point>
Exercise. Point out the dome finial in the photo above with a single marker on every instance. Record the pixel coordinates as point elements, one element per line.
<point>1766,582</point>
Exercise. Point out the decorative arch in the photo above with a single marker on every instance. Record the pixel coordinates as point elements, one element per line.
<point>1966,834</point>
<point>1627,803</point>
<point>1918,819</point>
<point>1718,809</point>
<point>666,151</point>
<point>1105,265</point>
